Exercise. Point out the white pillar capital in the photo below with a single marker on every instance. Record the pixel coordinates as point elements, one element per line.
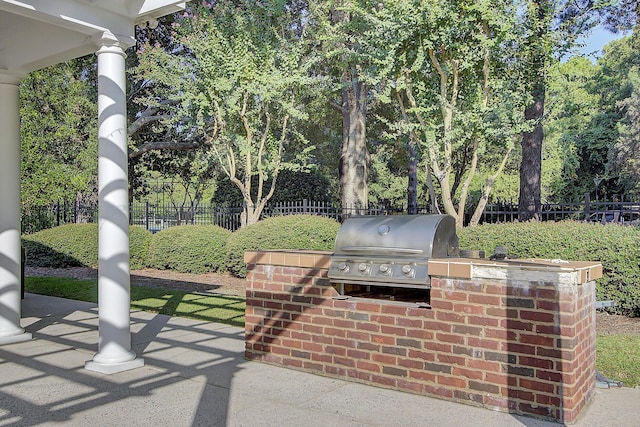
<point>112,43</point>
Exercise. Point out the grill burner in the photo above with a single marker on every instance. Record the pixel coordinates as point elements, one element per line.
<point>391,250</point>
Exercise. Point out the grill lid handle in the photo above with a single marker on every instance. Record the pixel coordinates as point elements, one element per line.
<point>380,249</point>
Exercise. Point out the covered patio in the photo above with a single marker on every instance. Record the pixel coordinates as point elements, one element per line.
<point>35,34</point>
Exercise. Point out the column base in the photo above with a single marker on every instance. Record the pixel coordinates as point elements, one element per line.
<point>113,368</point>
<point>25,336</point>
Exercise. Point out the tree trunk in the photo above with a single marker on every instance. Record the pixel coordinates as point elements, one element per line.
<point>355,157</point>
<point>529,207</point>
<point>412,186</point>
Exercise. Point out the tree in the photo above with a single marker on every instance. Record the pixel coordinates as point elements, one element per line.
<point>337,32</point>
<point>58,135</point>
<point>440,66</point>
<point>242,89</point>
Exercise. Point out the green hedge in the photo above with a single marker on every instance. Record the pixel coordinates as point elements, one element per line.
<point>189,248</point>
<point>616,247</point>
<point>285,232</point>
<point>76,245</point>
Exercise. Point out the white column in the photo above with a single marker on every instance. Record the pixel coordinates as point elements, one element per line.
<point>10,271</point>
<point>114,351</point>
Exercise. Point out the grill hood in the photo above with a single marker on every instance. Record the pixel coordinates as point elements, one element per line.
<point>391,249</point>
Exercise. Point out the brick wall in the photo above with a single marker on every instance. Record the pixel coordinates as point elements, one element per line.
<point>513,336</point>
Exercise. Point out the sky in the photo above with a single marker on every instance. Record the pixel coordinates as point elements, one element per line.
<point>598,39</point>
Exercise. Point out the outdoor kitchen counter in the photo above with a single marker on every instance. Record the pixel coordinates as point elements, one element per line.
<point>569,272</point>
<point>464,268</point>
<point>513,335</point>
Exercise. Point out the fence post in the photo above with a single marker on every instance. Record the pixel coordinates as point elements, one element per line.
<point>305,206</point>
<point>587,207</point>
<point>146,214</point>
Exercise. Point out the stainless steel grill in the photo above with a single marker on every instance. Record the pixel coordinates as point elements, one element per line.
<point>391,250</point>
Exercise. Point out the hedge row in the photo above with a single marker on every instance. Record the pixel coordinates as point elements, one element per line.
<point>616,247</point>
<point>199,249</point>
<point>187,248</point>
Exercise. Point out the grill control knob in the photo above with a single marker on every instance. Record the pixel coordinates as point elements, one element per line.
<point>384,269</point>
<point>343,266</point>
<point>407,270</point>
<point>363,267</point>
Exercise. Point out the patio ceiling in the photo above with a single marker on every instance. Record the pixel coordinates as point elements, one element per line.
<point>37,33</point>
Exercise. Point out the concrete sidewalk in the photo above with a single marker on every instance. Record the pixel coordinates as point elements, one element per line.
<point>195,374</point>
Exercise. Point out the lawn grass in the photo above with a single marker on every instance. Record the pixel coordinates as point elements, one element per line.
<point>214,308</point>
<point>618,358</point>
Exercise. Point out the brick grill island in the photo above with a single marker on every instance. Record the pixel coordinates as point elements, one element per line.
<point>516,336</point>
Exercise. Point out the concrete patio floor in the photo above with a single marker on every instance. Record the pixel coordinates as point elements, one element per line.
<point>195,374</point>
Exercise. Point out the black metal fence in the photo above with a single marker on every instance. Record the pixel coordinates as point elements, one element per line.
<point>156,217</point>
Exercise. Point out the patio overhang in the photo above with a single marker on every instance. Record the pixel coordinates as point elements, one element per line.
<point>35,34</point>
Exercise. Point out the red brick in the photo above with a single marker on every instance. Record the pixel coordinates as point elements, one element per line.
<point>344,361</point>
<point>437,326</point>
<point>357,335</point>
<point>536,385</point>
<point>394,309</point>
<point>438,391</point>
<point>500,379</point>
<point>537,316</point>
<point>522,395</point>
<point>468,308</point>
<point>482,321</point>
<point>486,300</point>
<point>438,347</point>
<point>409,322</point>
<point>484,365</point>
<point>451,360</point>
<point>438,305</point>
<point>317,367</point>
<point>368,366</point>
<point>392,330</point>
<point>332,349</point>
<point>539,340</point>
<point>420,312</point>
<point>335,332</point>
<point>384,359</point>
<point>386,320</point>
<point>535,362</point>
<point>422,376</point>
<point>445,316</point>
<point>383,339</point>
<point>385,381</point>
<point>455,296</point>
<point>483,343</point>
<point>512,347</point>
<point>312,346</point>
<point>342,323</point>
<point>321,357</point>
<point>411,363</point>
<point>422,334</point>
<point>369,307</point>
<point>467,373</point>
<point>367,326</point>
<point>455,339</point>
<point>422,355</point>
<point>409,385</point>
<point>451,381</point>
